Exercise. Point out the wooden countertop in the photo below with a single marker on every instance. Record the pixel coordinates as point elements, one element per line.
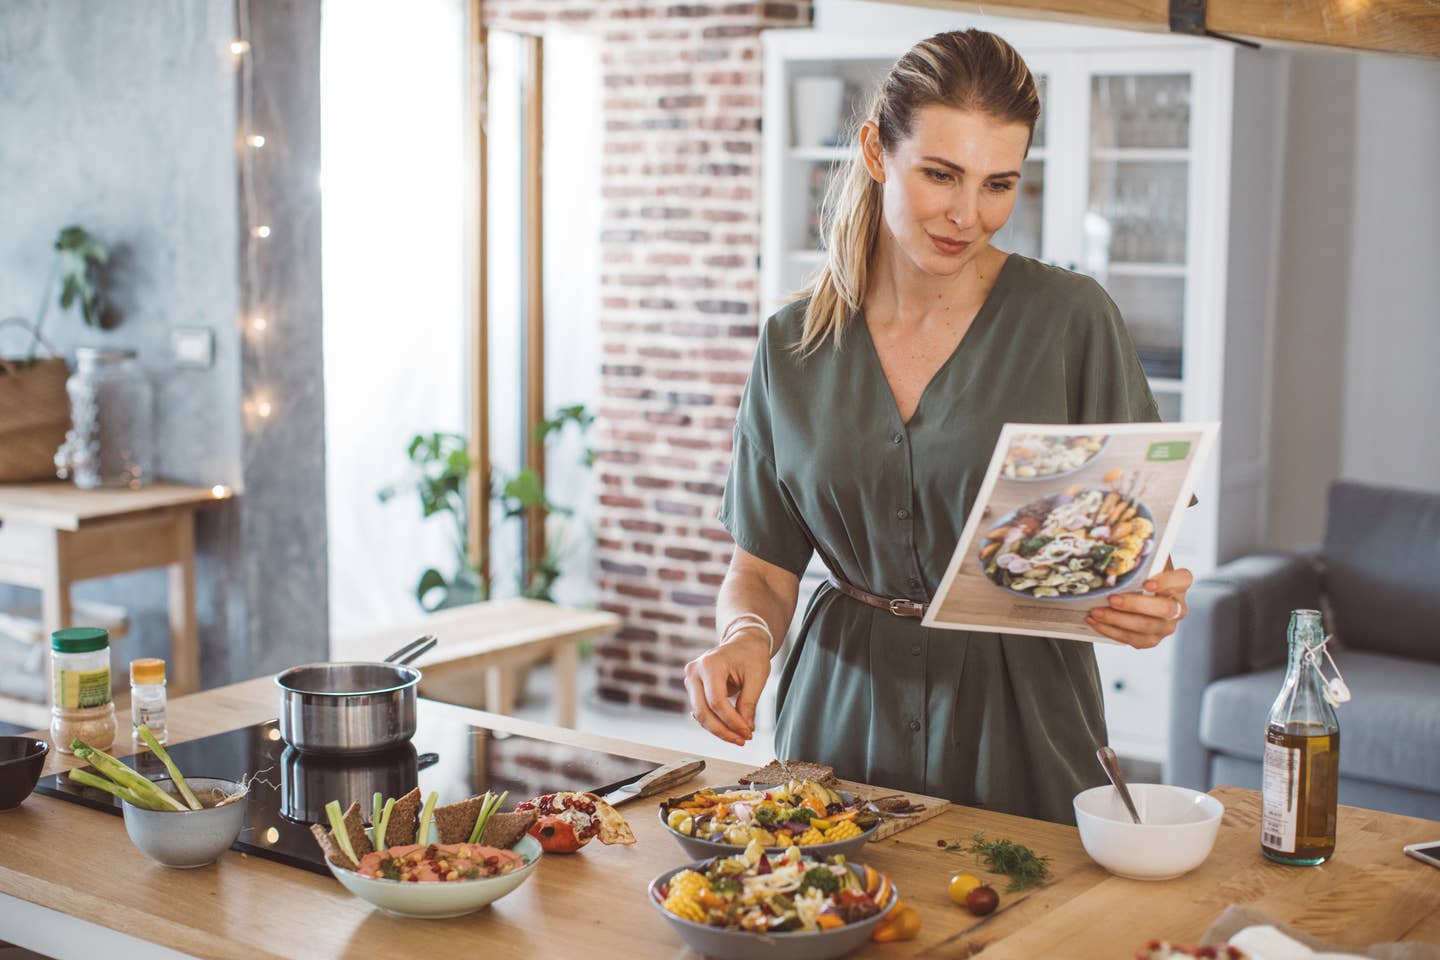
<point>80,862</point>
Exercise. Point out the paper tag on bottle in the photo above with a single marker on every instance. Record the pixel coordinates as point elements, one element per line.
<point>82,688</point>
<point>1280,789</point>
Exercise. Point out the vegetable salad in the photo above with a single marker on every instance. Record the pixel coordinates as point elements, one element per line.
<point>797,813</point>
<point>784,893</point>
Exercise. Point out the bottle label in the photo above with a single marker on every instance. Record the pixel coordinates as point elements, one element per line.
<point>76,689</point>
<point>150,714</point>
<point>1281,790</point>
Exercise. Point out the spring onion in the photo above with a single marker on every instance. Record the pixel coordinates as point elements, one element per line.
<point>376,834</point>
<point>88,779</point>
<point>150,795</point>
<point>487,810</point>
<point>382,823</point>
<point>337,827</point>
<point>427,813</point>
<point>159,751</point>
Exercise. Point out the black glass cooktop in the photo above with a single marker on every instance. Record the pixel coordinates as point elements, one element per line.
<point>290,790</point>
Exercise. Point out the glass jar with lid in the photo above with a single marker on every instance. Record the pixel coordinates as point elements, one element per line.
<point>81,706</point>
<point>111,440</point>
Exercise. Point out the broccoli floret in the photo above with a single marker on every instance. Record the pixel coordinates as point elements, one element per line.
<point>821,879</point>
<point>802,814</point>
<point>767,816</point>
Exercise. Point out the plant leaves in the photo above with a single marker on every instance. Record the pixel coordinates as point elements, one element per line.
<point>430,580</point>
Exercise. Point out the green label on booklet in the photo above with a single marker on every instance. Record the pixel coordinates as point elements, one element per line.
<point>1169,450</point>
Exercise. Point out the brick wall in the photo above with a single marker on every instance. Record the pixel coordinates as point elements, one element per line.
<point>679,318</point>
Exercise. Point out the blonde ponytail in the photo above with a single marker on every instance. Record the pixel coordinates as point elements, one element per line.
<point>965,69</point>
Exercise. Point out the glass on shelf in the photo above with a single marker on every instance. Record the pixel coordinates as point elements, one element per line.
<point>1140,111</point>
<point>1154,312</point>
<point>1144,205</point>
<point>817,186</point>
<point>1039,139</point>
<point>1023,232</point>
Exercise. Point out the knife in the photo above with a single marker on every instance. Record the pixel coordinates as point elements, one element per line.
<point>670,775</point>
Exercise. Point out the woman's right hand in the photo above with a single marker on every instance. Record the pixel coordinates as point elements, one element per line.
<point>737,668</point>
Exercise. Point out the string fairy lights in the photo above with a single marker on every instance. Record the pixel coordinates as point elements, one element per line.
<point>260,406</point>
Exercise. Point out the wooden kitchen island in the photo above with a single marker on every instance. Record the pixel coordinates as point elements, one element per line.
<point>72,885</point>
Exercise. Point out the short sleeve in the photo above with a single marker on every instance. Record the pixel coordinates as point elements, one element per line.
<point>757,511</point>
<point>1106,382</point>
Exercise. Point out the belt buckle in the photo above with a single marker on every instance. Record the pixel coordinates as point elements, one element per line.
<point>900,607</point>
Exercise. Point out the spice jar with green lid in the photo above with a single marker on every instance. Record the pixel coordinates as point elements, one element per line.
<point>81,706</point>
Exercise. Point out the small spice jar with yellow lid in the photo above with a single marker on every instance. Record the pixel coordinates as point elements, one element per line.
<point>80,703</point>
<point>147,696</point>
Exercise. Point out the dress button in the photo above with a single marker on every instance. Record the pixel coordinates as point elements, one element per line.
<point>915,650</point>
<point>903,514</point>
<point>897,439</point>
<point>915,725</point>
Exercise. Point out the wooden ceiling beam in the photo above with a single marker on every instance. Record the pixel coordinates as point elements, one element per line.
<point>1383,26</point>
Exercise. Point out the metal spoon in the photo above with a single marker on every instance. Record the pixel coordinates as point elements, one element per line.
<point>1111,763</point>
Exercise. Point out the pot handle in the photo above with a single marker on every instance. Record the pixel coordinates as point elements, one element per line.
<point>413,650</point>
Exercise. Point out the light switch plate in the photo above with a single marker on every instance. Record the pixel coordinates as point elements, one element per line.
<point>193,347</point>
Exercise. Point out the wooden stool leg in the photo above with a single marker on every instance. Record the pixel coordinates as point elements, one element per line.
<point>184,671</point>
<point>566,662</point>
<point>500,690</point>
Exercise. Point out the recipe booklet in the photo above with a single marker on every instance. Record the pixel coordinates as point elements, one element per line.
<point>1066,516</point>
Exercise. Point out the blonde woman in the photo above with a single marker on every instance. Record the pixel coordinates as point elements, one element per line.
<point>865,429</point>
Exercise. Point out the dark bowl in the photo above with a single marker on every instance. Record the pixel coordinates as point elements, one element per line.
<point>21,761</point>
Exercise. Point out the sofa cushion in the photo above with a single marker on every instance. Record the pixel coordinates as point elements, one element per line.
<point>1388,730</point>
<point>1382,569</point>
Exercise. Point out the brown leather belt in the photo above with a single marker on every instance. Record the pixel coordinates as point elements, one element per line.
<point>899,606</point>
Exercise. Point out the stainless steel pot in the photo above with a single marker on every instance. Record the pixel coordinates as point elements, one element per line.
<point>308,781</point>
<point>348,708</point>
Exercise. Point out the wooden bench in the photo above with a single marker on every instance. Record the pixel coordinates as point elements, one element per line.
<point>484,645</point>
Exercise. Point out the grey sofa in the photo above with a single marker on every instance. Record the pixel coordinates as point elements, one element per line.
<point>1377,576</point>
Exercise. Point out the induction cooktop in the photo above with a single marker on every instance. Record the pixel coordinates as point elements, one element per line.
<point>289,790</point>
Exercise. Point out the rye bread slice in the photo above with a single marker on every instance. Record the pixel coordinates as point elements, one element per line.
<point>333,853</point>
<point>779,771</point>
<point>404,820</point>
<point>359,839</point>
<point>455,821</point>
<point>505,829</point>
<point>355,826</point>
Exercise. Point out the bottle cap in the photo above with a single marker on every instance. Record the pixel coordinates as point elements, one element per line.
<point>147,670</point>
<point>80,640</point>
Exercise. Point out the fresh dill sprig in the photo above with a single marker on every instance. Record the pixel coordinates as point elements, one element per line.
<point>1019,863</point>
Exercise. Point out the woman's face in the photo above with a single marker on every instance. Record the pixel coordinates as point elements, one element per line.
<point>949,186</point>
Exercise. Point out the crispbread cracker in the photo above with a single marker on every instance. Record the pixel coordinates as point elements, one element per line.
<point>327,842</point>
<point>455,821</point>
<point>355,826</point>
<point>505,829</point>
<point>779,771</point>
<point>404,820</point>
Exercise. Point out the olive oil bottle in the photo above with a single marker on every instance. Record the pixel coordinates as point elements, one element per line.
<point>1302,755</point>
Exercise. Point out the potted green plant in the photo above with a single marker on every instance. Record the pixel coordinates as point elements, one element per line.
<point>440,468</point>
<point>34,409</point>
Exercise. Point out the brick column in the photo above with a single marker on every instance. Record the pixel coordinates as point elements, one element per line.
<point>680,244</point>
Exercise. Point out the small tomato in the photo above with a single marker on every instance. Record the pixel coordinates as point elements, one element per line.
<point>960,886</point>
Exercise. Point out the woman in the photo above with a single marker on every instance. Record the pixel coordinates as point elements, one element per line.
<point>868,421</point>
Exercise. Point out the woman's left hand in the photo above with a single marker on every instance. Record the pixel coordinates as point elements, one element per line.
<point>1140,620</point>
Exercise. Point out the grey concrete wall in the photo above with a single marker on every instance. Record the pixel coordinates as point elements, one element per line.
<point>122,117</point>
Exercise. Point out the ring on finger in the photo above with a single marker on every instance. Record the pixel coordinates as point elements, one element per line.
<point>1179,610</point>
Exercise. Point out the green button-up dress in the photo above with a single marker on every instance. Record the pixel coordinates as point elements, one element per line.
<point>823,463</point>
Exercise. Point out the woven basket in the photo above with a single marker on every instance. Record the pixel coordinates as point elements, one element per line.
<point>34,415</point>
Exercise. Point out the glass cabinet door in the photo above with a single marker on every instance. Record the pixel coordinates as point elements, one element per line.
<point>1024,232</point>
<point>1136,216</point>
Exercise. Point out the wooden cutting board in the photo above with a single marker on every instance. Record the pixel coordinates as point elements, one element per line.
<point>934,806</point>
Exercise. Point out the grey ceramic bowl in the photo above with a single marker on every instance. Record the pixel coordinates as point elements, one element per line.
<point>192,838</point>
<point>743,945</point>
<point>704,849</point>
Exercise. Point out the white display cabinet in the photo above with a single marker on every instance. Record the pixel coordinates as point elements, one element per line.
<point>1155,168</point>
